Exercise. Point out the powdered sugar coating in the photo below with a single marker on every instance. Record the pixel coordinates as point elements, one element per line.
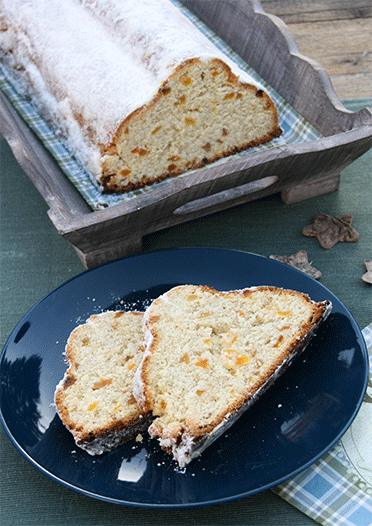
<point>102,444</point>
<point>87,52</point>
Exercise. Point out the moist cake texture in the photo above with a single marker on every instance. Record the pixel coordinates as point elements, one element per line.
<point>133,88</point>
<point>209,355</point>
<point>95,398</point>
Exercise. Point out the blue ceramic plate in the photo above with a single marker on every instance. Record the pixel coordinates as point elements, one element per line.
<point>293,424</point>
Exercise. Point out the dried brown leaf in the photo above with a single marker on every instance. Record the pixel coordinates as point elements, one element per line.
<point>330,230</point>
<point>299,261</point>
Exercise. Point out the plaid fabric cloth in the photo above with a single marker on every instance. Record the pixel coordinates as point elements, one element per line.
<point>295,129</point>
<point>337,489</point>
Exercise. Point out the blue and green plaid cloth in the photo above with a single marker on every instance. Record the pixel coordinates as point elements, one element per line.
<point>337,489</point>
<point>295,129</point>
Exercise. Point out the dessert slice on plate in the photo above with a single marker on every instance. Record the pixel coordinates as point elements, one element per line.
<point>95,398</point>
<point>209,355</point>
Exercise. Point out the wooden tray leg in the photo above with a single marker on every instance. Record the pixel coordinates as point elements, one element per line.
<point>312,189</point>
<point>104,254</point>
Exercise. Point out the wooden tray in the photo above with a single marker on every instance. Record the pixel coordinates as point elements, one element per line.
<point>297,171</point>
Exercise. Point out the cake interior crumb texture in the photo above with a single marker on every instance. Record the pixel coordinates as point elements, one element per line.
<point>184,370</point>
<point>209,354</point>
<point>95,398</point>
<point>136,91</point>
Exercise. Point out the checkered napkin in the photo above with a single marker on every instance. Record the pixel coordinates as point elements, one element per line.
<point>295,129</point>
<point>337,489</point>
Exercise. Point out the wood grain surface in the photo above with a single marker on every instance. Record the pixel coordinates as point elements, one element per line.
<point>335,33</point>
<point>293,60</point>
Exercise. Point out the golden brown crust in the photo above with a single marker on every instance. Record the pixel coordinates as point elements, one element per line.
<point>107,180</point>
<point>82,436</point>
<point>128,426</point>
<point>199,431</point>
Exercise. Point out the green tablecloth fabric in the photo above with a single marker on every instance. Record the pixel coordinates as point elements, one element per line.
<point>34,260</point>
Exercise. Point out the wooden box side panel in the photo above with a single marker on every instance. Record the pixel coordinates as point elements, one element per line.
<point>311,170</point>
<point>267,45</point>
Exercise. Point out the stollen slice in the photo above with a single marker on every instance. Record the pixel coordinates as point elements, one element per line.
<point>209,355</point>
<point>95,398</point>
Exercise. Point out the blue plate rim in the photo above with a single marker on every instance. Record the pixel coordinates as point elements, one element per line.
<point>231,498</point>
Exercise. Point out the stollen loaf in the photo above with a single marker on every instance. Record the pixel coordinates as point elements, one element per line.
<point>136,92</point>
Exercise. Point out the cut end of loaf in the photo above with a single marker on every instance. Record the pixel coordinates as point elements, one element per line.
<point>200,114</point>
<point>134,90</point>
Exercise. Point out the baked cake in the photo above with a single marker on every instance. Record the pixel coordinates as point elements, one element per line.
<point>95,398</point>
<point>209,355</point>
<point>133,88</point>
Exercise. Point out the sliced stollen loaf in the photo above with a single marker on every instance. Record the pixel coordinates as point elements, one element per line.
<point>95,398</point>
<point>209,355</point>
<point>134,89</point>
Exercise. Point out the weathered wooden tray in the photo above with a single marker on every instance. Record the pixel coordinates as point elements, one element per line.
<point>297,171</point>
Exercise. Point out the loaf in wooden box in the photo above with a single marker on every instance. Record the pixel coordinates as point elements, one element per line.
<point>108,229</point>
<point>134,89</point>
